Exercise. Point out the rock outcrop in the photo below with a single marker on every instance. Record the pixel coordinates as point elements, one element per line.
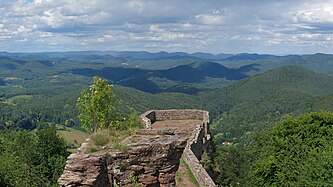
<point>153,154</point>
<point>85,170</point>
<point>151,161</point>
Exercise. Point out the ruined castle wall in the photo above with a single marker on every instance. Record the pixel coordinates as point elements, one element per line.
<point>197,143</point>
<point>162,115</point>
<point>198,171</point>
<point>148,118</point>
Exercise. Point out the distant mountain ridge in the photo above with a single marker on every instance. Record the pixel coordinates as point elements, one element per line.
<point>319,62</point>
<point>141,79</point>
<point>145,55</point>
<point>157,72</point>
<point>247,56</point>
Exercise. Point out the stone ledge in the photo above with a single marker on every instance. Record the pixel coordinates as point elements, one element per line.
<point>152,161</point>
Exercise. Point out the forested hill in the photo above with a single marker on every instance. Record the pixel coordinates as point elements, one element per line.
<point>2,82</point>
<point>288,78</point>
<point>265,98</point>
<point>322,63</point>
<point>44,88</point>
<point>325,103</point>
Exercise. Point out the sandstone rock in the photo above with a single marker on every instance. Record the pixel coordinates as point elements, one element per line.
<point>143,162</point>
<point>152,158</point>
<point>86,170</point>
<point>147,179</point>
<point>167,178</point>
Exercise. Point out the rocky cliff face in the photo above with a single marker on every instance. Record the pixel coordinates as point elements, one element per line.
<point>153,154</point>
<point>152,161</point>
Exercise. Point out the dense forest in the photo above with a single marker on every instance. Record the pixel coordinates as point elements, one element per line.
<point>247,97</point>
<point>34,158</point>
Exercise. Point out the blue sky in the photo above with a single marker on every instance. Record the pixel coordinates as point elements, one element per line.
<point>216,26</point>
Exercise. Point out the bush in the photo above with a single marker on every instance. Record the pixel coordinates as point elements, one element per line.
<point>100,138</point>
<point>133,121</point>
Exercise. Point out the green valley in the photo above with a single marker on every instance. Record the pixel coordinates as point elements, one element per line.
<point>39,91</point>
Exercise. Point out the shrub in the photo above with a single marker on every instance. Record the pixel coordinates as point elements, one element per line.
<point>100,138</point>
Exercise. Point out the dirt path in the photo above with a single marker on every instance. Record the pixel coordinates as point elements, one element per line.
<point>182,177</point>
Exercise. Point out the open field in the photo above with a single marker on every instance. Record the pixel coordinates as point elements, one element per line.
<point>12,100</point>
<point>73,136</point>
<point>12,78</point>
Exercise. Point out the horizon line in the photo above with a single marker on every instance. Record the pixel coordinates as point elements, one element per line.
<point>169,52</point>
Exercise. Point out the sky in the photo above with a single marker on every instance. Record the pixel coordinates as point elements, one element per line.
<point>215,26</point>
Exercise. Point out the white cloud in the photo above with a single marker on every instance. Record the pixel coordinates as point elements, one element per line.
<point>322,14</point>
<point>330,37</point>
<point>217,26</point>
<point>105,38</point>
<point>216,17</point>
<point>155,28</point>
<point>274,41</point>
<point>46,34</point>
<point>5,37</point>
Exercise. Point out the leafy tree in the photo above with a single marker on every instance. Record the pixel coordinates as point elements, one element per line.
<point>52,153</point>
<point>31,158</point>
<point>97,106</point>
<point>230,165</point>
<point>15,172</point>
<point>296,152</point>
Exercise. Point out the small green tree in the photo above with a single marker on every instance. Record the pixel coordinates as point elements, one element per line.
<point>97,106</point>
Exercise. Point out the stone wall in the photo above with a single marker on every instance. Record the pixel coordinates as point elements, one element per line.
<point>197,143</point>
<point>152,116</point>
<point>148,118</point>
<point>193,151</point>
